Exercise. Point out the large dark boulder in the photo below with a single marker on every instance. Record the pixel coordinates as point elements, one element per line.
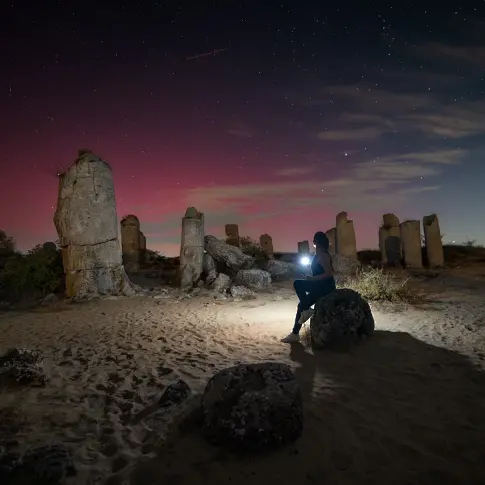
<point>230,256</point>
<point>339,316</point>
<point>253,407</point>
<point>281,270</point>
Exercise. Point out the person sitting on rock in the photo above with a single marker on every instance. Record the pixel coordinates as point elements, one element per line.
<point>310,289</point>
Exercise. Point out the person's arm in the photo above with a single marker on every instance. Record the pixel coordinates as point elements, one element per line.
<point>324,260</point>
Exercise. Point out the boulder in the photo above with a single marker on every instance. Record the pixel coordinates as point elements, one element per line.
<point>221,283</point>
<point>209,268</point>
<point>241,293</point>
<point>20,367</point>
<point>345,265</point>
<point>231,256</point>
<point>256,279</point>
<point>340,315</point>
<point>252,407</point>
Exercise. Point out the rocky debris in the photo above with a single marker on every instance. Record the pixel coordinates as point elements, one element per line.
<point>19,367</point>
<point>47,464</point>
<point>221,283</point>
<point>50,299</point>
<point>241,293</point>
<point>340,315</point>
<point>175,393</point>
<point>255,279</point>
<point>230,256</point>
<point>209,269</point>
<point>252,407</point>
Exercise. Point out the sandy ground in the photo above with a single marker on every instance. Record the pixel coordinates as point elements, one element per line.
<point>406,406</point>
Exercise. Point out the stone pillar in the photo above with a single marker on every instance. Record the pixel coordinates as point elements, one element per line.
<point>143,248</point>
<point>232,235</point>
<point>331,234</point>
<point>345,236</point>
<point>411,244</point>
<point>266,243</point>
<point>88,229</point>
<point>390,240</point>
<point>130,243</point>
<point>433,242</point>
<point>303,247</point>
<point>191,248</point>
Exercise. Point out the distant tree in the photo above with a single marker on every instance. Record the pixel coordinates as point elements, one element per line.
<point>7,243</point>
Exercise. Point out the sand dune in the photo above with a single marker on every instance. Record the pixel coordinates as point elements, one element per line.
<point>404,407</point>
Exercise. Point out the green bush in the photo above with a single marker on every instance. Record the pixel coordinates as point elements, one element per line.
<point>31,275</point>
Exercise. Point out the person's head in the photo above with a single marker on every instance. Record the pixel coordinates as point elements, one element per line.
<point>320,240</point>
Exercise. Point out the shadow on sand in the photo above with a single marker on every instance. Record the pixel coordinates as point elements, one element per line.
<point>390,410</point>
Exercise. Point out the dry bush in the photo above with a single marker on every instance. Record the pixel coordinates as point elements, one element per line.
<point>377,285</point>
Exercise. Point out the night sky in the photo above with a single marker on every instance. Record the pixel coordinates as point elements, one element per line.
<point>275,118</point>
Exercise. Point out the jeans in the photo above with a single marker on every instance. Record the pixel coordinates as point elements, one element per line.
<point>308,293</point>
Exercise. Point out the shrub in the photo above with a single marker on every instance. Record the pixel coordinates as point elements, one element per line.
<point>32,275</point>
<point>377,285</point>
<point>251,247</point>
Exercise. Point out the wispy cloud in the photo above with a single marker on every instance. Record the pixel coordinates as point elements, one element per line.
<point>471,54</point>
<point>239,129</point>
<point>351,133</point>
<point>295,171</point>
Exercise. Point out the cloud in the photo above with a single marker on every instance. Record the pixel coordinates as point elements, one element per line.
<point>471,54</point>
<point>239,129</point>
<point>295,171</point>
<point>351,133</point>
<point>458,120</point>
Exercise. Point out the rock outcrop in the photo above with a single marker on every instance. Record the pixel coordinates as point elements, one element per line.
<point>433,242</point>
<point>191,248</point>
<point>340,315</point>
<point>130,243</point>
<point>253,407</point>
<point>230,256</point>
<point>88,229</point>
<point>255,279</point>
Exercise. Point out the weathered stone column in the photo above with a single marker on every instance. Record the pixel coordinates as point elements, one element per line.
<point>130,243</point>
<point>303,247</point>
<point>143,248</point>
<point>191,248</point>
<point>331,234</point>
<point>411,244</point>
<point>345,236</point>
<point>232,235</point>
<point>88,229</point>
<point>390,240</point>
<point>434,244</point>
<point>266,243</point>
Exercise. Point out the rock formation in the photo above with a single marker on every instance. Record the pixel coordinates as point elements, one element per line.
<point>340,315</point>
<point>88,229</point>
<point>255,279</point>
<point>345,236</point>
<point>230,256</point>
<point>303,247</point>
<point>266,243</point>
<point>332,238</point>
<point>232,235</point>
<point>191,248</point>
<point>411,244</point>
<point>209,269</point>
<point>433,242</point>
<point>252,407</point>
<point>390,240</point>
<point>130,243</point>
<point>143,248</point>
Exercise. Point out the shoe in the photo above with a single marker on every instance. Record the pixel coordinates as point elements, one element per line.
<point>306,315</point>
<point>293,337</point>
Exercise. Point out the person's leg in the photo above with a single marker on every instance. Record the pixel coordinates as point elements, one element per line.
<point>303,289</point>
